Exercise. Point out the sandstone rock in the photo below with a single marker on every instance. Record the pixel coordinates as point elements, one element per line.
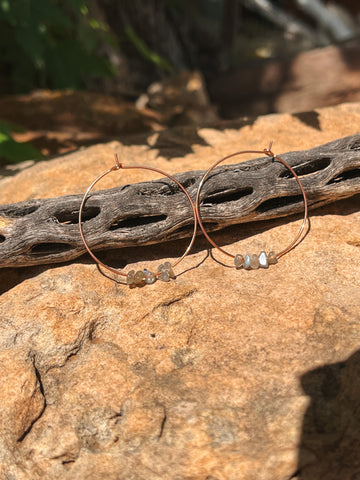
<point>222,374</point>
<point>311,79</point>
<point>22,401</point>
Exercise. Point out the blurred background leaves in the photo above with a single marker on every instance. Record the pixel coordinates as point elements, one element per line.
<point>51,44</point>
<point>15,151</point>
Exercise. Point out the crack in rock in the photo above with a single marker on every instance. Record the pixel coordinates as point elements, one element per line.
<point>41,388</point>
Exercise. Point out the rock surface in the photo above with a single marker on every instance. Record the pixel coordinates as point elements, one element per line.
<point>311,79</point>
<point>219,375</point>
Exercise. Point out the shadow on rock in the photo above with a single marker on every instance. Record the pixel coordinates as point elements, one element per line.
<point>330,444</point>
<point>179,141</point>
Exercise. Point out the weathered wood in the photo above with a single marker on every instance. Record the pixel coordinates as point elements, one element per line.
<point>46,230</point>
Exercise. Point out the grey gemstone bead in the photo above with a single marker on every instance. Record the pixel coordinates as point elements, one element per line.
<point>169,269</point>
<point>149,277</point>
<point>254,262</point>
<point>272,258</point>
<point>238,261</point>
<point>130,279</point>
<point>164,276</point>
<point>263,261</point>
<point>247,262</point>
<point>139,277</point>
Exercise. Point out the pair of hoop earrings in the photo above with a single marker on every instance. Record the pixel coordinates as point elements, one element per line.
<point>165,271</point>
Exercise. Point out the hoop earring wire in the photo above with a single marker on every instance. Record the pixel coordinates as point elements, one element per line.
<point>165,271</point>
<point>263,260</point>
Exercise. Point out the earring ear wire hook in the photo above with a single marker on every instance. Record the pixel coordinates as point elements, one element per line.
<point>251,262</point>
<point>165,271</point>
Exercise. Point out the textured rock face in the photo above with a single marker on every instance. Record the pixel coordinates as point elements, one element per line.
<point>311,79</point>
<point>223,374</point>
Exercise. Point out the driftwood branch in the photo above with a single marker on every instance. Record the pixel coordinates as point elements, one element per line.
<point>46,230</point>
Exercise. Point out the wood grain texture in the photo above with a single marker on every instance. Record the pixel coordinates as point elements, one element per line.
<point>46,230</point>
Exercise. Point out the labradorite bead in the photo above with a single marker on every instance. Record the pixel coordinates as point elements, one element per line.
<point>149,277</point>
<point>238,261</point>
<point>254,262</point>
<point>130,279</point>
<point>272,258</point>
<point>169,269</point>
<point>164,276</point>
<point>247,262</point>
<point>139,277</point>
<point>263,261</point>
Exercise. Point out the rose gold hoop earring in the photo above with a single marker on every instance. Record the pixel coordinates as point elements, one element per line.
<point>165,271</point>
<point>263,260</point>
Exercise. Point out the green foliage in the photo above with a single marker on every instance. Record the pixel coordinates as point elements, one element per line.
<point>146,52</point>
<point>51,43</point>
<point>12,151</point>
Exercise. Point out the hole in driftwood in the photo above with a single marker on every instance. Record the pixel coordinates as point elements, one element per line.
<point>159,188</point>
<point>49,248</point>
<point>184,230</point>
<point>355,145</point>
<point>349,175</point>
<point>132,222</point>
<point>224,197</point>
<point>72,217</point>
<point>188,182</point>
<point>278,203</point>
<point>148,191</point>
<point>308,168</point>
<point>2,238</point>
<point>20,211</point>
